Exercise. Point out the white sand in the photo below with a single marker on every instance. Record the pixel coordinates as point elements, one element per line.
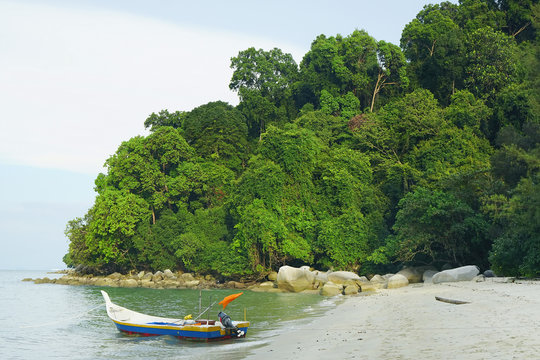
<point>502,321</point>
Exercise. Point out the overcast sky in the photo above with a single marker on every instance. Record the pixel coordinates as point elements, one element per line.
<point>79,77</point>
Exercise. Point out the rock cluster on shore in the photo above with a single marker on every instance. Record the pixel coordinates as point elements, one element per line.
<point>288,279</point>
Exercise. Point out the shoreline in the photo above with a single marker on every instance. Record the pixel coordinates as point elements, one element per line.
<point>500,321</point>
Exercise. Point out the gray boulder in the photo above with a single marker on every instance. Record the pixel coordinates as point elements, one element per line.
<point>341,277</point>
<point>464,273</point>
<point>427,277</point>
<point>331,289</point>
<point>397,281</point>
<point>294,279</point>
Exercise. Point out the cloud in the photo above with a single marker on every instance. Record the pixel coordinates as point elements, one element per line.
<point>76,83</point>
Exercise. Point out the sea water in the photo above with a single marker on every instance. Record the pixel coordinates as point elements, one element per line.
<point>48,321</point>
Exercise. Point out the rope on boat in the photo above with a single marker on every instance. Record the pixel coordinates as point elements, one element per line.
<point>62,320</point>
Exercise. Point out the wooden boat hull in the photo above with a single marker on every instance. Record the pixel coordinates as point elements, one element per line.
<point>131,322</point>
<point>194,332</point>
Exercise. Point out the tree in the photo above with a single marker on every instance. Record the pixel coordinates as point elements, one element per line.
<point>338,65</point>
<point>115,216</point>
<point>465,110</point>
<point>434,226</point>
<point>434,45</point>
<point>218,131</point>
<point>164,118</point>
<point>516,251</point>
<point>392,67</point>
<point>263,80</point>
<point>269,72</point>
<point>491,62</point>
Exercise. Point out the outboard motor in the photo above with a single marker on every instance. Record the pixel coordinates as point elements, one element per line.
<point>227,322</point>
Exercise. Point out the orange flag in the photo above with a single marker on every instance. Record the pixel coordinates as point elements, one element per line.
<point>228,299</point>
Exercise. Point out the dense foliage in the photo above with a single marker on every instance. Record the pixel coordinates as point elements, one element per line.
<point>364,156</point>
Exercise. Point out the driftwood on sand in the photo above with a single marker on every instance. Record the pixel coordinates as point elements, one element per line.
<point>451,301</point>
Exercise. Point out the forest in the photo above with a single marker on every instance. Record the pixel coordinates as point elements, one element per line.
<point>366,156</point>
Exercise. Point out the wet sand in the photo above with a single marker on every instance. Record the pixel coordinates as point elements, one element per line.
<point>501,321</point>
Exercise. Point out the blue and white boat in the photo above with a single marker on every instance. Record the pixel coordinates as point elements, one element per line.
<point>132,322</point>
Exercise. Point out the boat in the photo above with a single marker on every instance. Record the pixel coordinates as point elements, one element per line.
<point>132,322</point>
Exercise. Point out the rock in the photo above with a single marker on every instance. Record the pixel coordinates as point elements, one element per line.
<point>387,276</point>
<point>377,282</point>
<point>147,283</point>
<point>267,284</point>
<point>489,273</point>
<point>115,276</point>
<point>272,276</point>
<point>27,279</point>
<point>44,280</point>
<point>350,289</point>
<point>192,283</point>
<point>464,273</point>
<point>129,283</point>
<point>341,277</point>
<point>169,274</point>
<point>147,276</point>
<point>479,278</point>
<point>397,281</point>
<point>140,275</point>
<point>413,275</point>
<point>294,279</point>
<point>378,278</point>
<point>236,285</point>
<point>104,282</point>
<point>187,277</point>
<point>428,276</point>
<point>368,286</point>
<point>158,276</point>
<point>331,289</point>
<point>169,284</point>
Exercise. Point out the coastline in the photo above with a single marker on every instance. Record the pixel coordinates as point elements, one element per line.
<point>499,322</point>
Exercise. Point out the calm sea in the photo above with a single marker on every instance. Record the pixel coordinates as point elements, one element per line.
<point>49,321</point>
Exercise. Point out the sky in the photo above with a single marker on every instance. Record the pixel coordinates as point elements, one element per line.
<point>79,77</point>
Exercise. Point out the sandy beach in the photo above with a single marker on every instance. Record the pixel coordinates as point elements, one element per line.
<point>501,321</point>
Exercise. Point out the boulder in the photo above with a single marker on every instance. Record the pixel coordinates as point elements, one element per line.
<point>413,274</point>
<point>341,277</point>
<point>147,276</point>
<point>489,273</point>
<point>397,281</point>
<point>376,282</point>
<point>350,289</point>
<point>480,278</point>
<point>129,283</point>
<point>428,276</point>
<point>236,285</point>
<point>104,282</point>
<point>169,274</point>
<point>169,284</point>
<point>115,276</point>
<point>187,277</point>
<point>464,273</point>
<point>331,289</point>
<point>158,276</point>
<point>294,279</point>
<point>44,280</point>
<point>192,283</point>
<point>368,286</point>
<point>267,284</point>
<point>140,275</point>
<point>272,276</point>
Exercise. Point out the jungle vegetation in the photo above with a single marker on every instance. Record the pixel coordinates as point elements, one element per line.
<point>365,156</point>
